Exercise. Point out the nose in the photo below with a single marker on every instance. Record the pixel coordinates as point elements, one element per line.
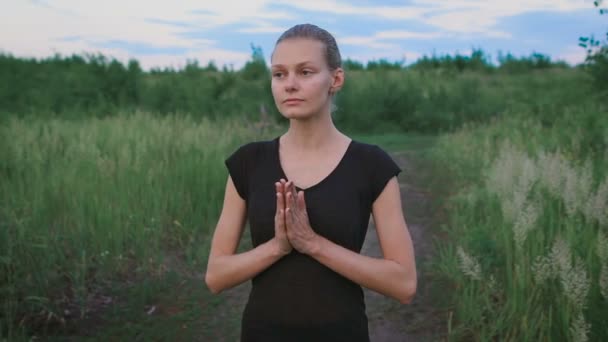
<point>291,83</point>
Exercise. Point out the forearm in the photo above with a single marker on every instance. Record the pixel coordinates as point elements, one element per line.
<point>381,275</point>
<point>227,271</point>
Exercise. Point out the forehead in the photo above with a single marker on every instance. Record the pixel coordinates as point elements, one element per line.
<point>297,50</point>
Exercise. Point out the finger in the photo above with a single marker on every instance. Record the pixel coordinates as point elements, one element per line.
<point>282,226</point>
<point>285,188</point>
<point>288,200</point>
<point>294,194</point>
<point>301,201</point>
<point>281,223</point>
<point>277,187</point>
<point>288,222</point>
<point>280,202</point>
<point>281,190</point>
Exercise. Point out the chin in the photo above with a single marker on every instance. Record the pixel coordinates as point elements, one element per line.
<point>297,114</point>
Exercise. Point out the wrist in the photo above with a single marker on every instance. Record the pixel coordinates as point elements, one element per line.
<point>278,250</point>
<point>315,246</point>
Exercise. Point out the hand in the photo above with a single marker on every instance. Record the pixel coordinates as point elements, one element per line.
<point>299,232</point>
<point>280,234</point>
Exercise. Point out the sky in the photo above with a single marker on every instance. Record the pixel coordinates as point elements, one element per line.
<point>171,33</point>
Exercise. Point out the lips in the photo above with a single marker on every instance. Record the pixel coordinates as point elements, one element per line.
<point>293,101</point>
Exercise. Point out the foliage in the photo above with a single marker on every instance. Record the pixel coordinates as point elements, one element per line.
<point>597,54</point>
<point>478,61</point>
<point>536,61</point>
<point>384,64</point>
<point>255,69</point>
<point>432,95</point>
<point>350,64</point>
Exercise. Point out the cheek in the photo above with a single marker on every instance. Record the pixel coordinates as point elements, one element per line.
<point>320,85</point>
<point>274,88</point>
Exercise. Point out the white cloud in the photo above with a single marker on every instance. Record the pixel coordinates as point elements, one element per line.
<point>369,42</point>
<point>458,16</point>
<point>517,6</point>
<point>572,55</point>
<point>120,18</point>
<point>399,34</point>
<point>263,27</point>
<point>378,40</point>
<point>464,21</point>
<point>479,16</point>
<point>343,8</point>
<point>466,16</point>
<point>38,28</point>
<point>219,56</point>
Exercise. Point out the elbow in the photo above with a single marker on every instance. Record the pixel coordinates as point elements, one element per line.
<point>212,283</point>
<point>408,292</point>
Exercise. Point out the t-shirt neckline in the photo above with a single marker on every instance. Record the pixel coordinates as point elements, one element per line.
<point>331,173</point>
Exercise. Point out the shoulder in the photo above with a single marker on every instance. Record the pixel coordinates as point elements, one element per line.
<point>369,153</point>
<point>243,161</point>
<point>375,160</point>
<point>379,167</point>
<point>252,149</point>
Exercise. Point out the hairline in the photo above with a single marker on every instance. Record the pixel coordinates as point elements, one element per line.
<point>311,38</point>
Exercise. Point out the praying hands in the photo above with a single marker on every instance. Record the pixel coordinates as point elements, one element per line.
<point>292,227</point>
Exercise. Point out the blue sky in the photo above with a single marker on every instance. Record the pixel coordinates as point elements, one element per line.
<point>169,33</point>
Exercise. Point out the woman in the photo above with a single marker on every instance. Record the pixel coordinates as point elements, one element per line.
<point>308,195</point>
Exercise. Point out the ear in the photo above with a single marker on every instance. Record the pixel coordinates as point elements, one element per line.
<point>337,81</point>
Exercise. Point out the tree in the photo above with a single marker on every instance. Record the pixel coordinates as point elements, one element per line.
<point>255,69</point>
<point>597,54</point>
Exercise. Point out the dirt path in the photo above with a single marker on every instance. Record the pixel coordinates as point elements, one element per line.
<point>388,319</point>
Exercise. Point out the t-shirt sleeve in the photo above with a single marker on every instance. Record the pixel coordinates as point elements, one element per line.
<point>383,169</point>
<point>237,164</point>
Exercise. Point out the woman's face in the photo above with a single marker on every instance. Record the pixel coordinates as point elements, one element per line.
<point>301,79</point>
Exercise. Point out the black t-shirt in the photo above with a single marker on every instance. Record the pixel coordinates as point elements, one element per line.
<point>297,298</point>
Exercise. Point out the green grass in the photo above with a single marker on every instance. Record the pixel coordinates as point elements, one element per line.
<point>106,226</point>
<point>397,142</point>
<point>525,248</point>
<point>95,201</point>
<point>122,208</point>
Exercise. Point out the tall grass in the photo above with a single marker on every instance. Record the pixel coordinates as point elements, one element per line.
<point>89,192</point>
<point>527,252</point>
<point>86,200</point>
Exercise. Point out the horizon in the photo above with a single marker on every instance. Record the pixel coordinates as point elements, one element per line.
<point>162,35</point>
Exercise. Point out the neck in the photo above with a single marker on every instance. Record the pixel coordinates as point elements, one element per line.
<point>312,134</point>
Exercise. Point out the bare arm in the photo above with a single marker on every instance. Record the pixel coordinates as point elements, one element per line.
<point>395,274</point>
<point>225,269</point>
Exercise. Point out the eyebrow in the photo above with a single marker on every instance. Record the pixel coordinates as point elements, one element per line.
<point>297,65</point>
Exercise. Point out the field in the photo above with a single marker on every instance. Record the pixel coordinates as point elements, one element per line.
<point>107,203</point>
